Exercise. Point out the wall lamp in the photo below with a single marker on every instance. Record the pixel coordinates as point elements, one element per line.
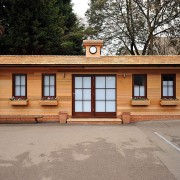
<point>64,75</point>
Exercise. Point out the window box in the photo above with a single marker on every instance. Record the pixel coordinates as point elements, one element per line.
<point>140,102</point>
<point>19,102</point>
<point>48,102</point>
<point>169,102</point>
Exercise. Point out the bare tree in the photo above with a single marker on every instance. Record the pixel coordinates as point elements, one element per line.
<point>166,45</point>
<point>133,24</point>
<point>174,36</point>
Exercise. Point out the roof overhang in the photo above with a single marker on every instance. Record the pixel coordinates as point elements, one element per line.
<point>82,61</point>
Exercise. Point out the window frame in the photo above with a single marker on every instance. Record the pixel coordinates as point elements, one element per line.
<point>145,86</point>
<point>93,113</point>
<point>14,84</point>
<point>174,87</point>
<point>43,75</point>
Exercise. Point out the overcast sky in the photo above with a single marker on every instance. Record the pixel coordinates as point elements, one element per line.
<point>80,7</point>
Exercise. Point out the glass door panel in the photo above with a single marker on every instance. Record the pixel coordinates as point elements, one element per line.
<point>110,82</point>
<point>100,94</point>
<point>105,94</point>
<point>110,106</point>
<point>110,94</point>
<point>100,82</point>
<point>100,106</point>
<point>82,93</point>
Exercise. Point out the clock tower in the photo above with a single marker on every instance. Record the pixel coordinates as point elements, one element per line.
<point>93,47</point>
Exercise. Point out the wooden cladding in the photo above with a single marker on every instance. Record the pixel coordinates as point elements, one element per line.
<point>124,88</point>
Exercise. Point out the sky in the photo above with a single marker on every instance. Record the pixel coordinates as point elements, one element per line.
<point>80,7</point>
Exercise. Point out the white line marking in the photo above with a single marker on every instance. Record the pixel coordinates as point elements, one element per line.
<point>178,149</point>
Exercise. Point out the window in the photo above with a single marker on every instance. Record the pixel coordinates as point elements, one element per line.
<point>168,88</point>
<point>20,85</point>
<point>49,85</point>
<point>139,86</point>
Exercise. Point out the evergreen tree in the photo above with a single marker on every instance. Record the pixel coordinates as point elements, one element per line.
<point>39,27</point>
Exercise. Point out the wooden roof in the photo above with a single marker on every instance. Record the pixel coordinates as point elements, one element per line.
<point>38,60</point>
<point>93,42</point>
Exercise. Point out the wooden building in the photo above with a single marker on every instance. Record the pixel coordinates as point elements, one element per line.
<point>102,88</point>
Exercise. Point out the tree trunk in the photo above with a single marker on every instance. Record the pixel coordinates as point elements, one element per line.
<point>132,50</point>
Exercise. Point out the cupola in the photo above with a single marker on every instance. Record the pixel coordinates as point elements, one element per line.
<point>93,47</point>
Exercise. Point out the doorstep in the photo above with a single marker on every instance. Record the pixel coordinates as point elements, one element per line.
<point>94,121</point>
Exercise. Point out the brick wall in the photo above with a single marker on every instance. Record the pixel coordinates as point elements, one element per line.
<point>48,118</point>
<point>5,119</point>
<point>28,119</point>
<point>137,118</point>
<point>16,119</point>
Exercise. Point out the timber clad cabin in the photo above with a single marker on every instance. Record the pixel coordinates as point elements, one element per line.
<point>91,88</point>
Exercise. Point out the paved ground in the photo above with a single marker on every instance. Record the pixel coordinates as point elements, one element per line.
<point>73,152</point>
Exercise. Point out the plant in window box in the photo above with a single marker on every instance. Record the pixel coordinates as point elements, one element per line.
<point>169,102</point>
<point>48,101</point>
<point>18,101</point>
<point>140,101</point>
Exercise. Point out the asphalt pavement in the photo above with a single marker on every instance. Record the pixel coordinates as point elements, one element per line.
<point>90,152</point>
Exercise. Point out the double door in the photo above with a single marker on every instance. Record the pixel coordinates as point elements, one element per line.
<point>94,96</point>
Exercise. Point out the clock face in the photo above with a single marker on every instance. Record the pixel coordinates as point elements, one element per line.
<point>93,49</point>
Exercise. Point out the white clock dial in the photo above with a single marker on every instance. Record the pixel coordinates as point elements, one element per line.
<point>93,49</point>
